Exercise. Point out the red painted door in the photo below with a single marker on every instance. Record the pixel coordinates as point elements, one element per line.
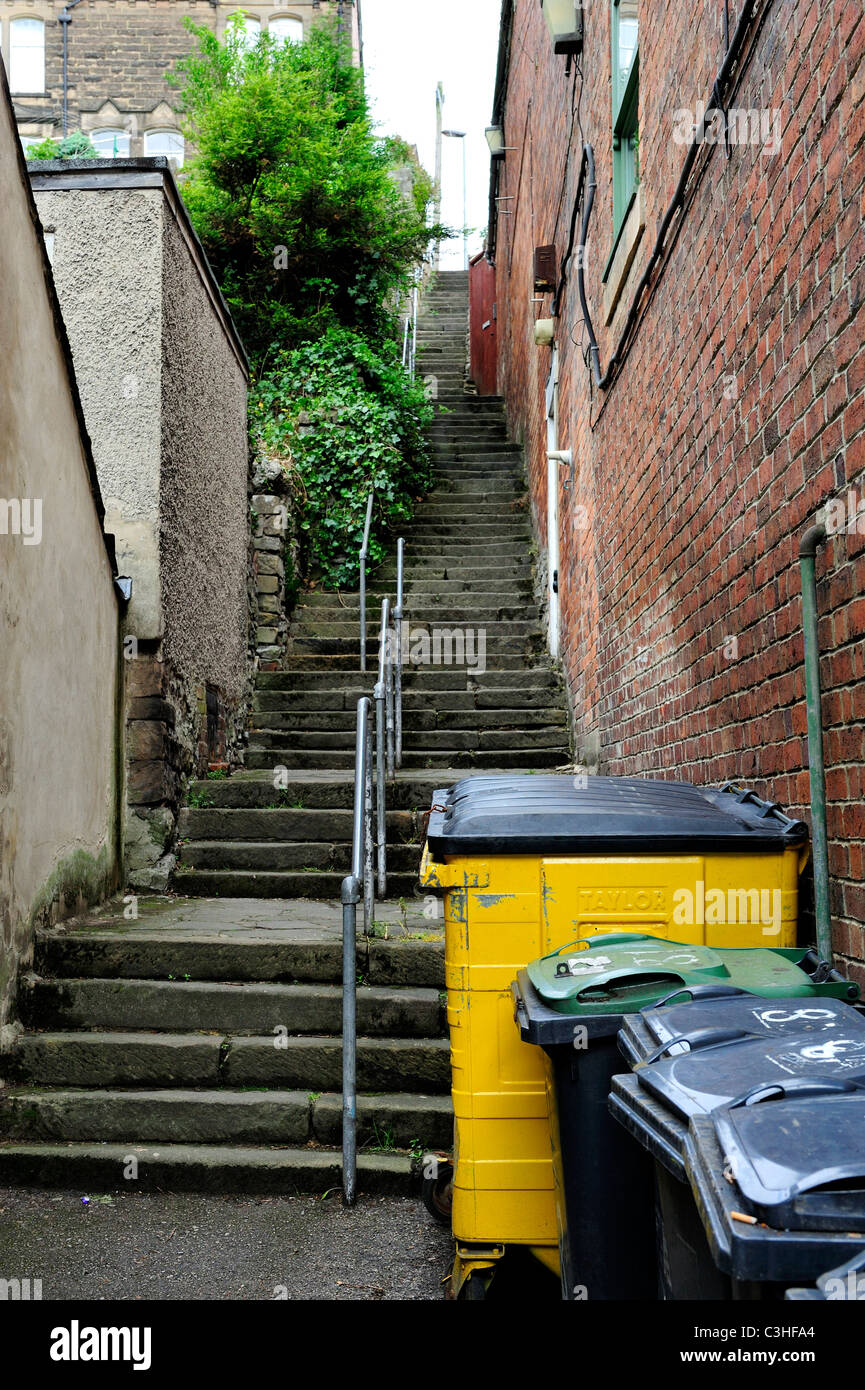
<point>482,326</point>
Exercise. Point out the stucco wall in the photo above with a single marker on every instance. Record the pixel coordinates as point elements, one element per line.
<point>163,378</point>
<point>108,271</point>
<point>203,520</point>
<point>58,611</point>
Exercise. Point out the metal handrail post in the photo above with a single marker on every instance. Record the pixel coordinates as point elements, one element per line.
<point>380,754</point>
<point>406,327</point>
<point>397,656</point>
<point>368,853</point>
<point>388,685</point>
<point>414,333</point>
<point>351,895</point>
<point>364,552</point>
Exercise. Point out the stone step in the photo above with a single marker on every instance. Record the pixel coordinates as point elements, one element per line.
<point>180,1006</point>
<point>321,886</point>
<point>199,1168</point>
<point>533,677</point>
<point>314,859</point>
<point>331,664</point>
<point>325,885</point>
<point>320,636</point>
<point>464,703</point>
<point>397,1120</point>
<point>150,1060</point>
<point>294,953</point>
<point>417,717</point>
<point>306,826</point>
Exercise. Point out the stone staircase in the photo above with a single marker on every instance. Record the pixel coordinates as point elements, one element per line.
<point>468,574</point>
<point>202,1039</point>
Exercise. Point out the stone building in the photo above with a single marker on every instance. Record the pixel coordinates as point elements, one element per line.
<point>118,54</point>
<point>707,379</point>
<point>163,380</point>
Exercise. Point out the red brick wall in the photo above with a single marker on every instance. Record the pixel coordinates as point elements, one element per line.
<point>738,411</point>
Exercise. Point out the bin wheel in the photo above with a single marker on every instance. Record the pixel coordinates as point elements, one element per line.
<point>438,1194</point>
<point>474,1290</point>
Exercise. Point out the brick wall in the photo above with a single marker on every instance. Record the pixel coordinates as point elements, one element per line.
<point>738,410</point>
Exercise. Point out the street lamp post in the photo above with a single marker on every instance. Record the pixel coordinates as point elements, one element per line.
<point>461,135</point>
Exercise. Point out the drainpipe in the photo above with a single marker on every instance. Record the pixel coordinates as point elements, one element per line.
<point>816,536</point>
<point>65,19</point>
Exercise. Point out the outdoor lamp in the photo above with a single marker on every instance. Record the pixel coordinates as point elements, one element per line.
<point>495,140</point>
<point>565,23</point>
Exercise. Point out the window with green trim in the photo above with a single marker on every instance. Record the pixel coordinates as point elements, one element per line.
<point>626,105</point>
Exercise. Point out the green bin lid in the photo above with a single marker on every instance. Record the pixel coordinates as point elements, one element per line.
<point>623,972</point>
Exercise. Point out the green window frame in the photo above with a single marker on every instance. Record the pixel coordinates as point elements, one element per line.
<point>626,108</point>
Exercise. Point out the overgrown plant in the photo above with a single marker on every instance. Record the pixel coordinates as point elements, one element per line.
<point>343,416</point>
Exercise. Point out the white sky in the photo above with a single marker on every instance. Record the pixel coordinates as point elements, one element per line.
<point>409,46</point>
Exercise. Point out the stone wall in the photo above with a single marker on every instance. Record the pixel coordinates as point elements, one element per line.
<point>61,766</point>
<point>737,411</point>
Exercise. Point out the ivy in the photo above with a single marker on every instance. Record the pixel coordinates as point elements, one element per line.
<point>343,416</point>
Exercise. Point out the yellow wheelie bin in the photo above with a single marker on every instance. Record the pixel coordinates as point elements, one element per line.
<point>528,863</point>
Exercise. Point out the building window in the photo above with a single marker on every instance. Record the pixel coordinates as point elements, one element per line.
<point>626,106</point>
<point>111,144</point>
<point>286,30</point>
<point>26,55</point>
<point>167,142</point>
<point>251,27</point>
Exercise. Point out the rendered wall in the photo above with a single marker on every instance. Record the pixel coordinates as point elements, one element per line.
<point>59,764</point>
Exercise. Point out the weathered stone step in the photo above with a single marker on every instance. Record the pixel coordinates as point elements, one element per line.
<point>221,1117</point>
<point>426,678</point>
<point>417,716</point>
<point>329,825</point>
<point>311,636</point>
<point>180,1006</point>
<point>322,886</point>
<point>151,1060</point>
<point>198,1168</point>
<point>415,703</point>
<point>280,856</point>
<point>496,737</point>
<point>344,661</point>
<point>421,612</point>
<point>249,955</point>
<point>483,760</point>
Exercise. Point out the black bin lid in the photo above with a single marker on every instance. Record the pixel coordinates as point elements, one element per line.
<point>735,1011</point>
<point>624,815</point>
<point>799,1160</point>
<point>717,1073</point>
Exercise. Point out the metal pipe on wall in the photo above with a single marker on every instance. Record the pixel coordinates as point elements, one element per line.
<point>813,538</point>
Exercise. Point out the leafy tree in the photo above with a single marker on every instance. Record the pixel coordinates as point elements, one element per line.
<point>290,189</point>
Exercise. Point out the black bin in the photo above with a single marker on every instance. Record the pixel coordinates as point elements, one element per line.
<point>708,1060</point>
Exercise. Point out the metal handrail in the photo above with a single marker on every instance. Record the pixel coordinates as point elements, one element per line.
<point>414,333</point>
<point>364,554</point>
<point>380,695</point>
<point>397,656</point>
<point>353,888</point>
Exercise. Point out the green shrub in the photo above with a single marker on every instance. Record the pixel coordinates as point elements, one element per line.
<point>74,146</point>
<point>343,416</point>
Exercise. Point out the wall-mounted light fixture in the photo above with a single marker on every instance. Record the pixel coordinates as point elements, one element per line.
<point>496,141</point>
<point>565,23</point>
